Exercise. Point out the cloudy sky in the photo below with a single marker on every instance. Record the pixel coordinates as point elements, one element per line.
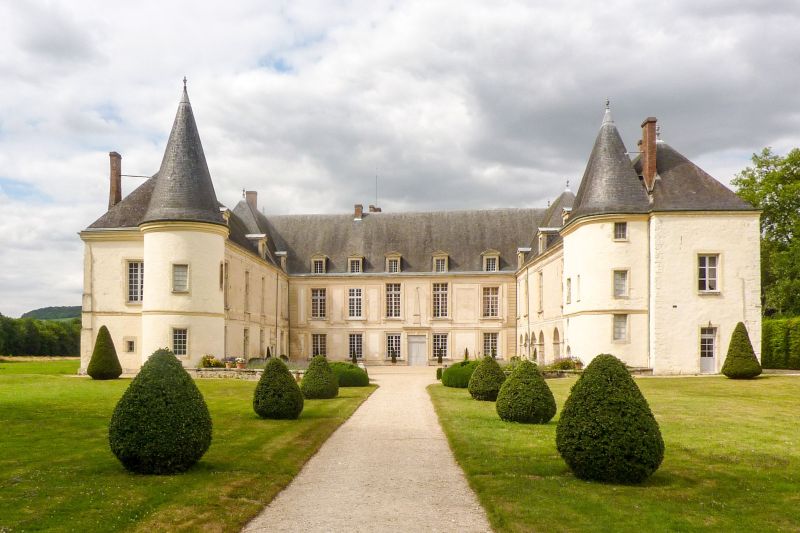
<point>451,104</point>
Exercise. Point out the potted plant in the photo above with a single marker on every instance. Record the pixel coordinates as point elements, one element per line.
<point>240,362</point>
<point>393,355</point>
<point>439,356</point>
<point>466,354</point>
<point>229,362</point>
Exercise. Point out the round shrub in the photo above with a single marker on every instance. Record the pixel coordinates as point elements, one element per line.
<point>277,394</point>
<point>104,363</point>
<point>349,375</point>
<point>741,361</point>
<point>319,381</point>
<point>161,425</point>
<point>485,382</point>
<point>525,396</point>
<point>458,375</point>
<point>606,431</point>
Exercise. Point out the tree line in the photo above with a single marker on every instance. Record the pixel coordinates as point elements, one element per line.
<point>28,336</point>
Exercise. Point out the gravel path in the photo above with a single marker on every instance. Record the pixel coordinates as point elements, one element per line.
<point>388,468</point>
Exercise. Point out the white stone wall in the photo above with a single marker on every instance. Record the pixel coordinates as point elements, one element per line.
<point>541,326</point>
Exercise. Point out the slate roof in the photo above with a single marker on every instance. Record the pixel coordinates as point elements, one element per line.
<point>129,212</point>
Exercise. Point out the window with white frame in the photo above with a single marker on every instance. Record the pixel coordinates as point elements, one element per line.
<point>393,265</point>
<point>620,283</point>
<point>620,327</point>
<point>356,346</point>
<point>439,300</point>
<point>246,291</point>
<point>226,284</point>
<point>319,344</point>
<point>490,344</point>
<point>569,290</point>
<point>130,345</point>
<point>439,345</point>
<point>180,278</point>
<point>440,264</point>
<point>135,281</point>
<point>263,304</point>
<point>490,264</point>
<point>708,338</point>
<point>392,300</point>
<point>540,282</point>
<point>318,266</point>
<point>393,345</point>
<point>707,266</point>
<point>491,302</point>
<point>180,341</point>
<point>355,266</point>
<point>620,231</point>
<point>318,303</point>
<point>354,303</point>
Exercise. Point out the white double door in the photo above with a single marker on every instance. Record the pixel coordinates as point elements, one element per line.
<point>417,350</point>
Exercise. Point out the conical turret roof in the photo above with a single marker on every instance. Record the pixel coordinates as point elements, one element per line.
<point>183,188</point>
<point>610,184</point>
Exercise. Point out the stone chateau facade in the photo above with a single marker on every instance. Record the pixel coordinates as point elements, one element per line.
<point>652,260</point>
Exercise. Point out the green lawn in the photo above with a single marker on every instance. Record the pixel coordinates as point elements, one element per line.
<point>732,461</point>
<point>57,472</point>
<point>32,365</point>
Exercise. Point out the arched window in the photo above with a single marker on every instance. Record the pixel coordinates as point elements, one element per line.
<point>541,357</point>
<point>556,344</point>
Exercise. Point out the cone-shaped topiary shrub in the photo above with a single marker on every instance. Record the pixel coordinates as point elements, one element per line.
<point>161,425</point>
<point>525,396</point>
<point>104,363</point>
<point>457,375</point>
<point>319,380</point>
<point>349,375</point>
<point>606,431</point>
<point>485,382</point>
<point>277,394</point>
<point>741,361</point>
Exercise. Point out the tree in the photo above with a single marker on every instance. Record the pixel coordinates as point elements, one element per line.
<point>773,185</point>
<point>104,363</point>
<point>486,380</point>
<point>319,381</point>
<point>525,396</point>
<point>277,394</point>
<point>741,361</point>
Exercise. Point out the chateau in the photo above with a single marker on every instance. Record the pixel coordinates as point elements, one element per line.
<point>652,260</point>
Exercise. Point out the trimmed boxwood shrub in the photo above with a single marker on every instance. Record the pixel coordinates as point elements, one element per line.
<point>319,381</point>
<point>606,431</point>
<point>525,396</point>
<point>161,425</point>
<point>349,375</point>
<point>458,375</point>
<point>277,394</point>
<point>439,374</point>
<point>104,363</point>
<point>741,362</point>
<point>485,382</point>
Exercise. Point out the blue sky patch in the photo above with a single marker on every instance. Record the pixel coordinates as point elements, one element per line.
<point>20,190</point>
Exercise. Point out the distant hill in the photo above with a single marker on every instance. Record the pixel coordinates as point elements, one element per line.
<point>55,313</point>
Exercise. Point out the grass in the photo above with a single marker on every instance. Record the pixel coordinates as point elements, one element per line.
<point>57,472</point>
<point>39,365</point>
<point>732,461</point>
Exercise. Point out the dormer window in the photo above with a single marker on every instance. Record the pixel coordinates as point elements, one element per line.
<point>440,262</point>
<point>491,261</point>
<point>318,264</point>
<point>392,263</point>
<point>542,243</point>
<point>354,265</point>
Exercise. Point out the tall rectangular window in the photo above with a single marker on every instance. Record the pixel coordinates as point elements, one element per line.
<point>620,231</point>
<point>440,264</point>
<point>356,346</point>
<point>439,345</point>
<point>392,300</point>
<point>393,265</point>
<point>263,295</point>
<point>246,291</point>
<point>490,344</point>
<point>491,302</point>
<point>491,264</point>
<point>540,282</point>
<point>319,344</point>
<point>354,303</point>
<point>318,303</point>
<point>393,345</point>
<point>620,283</point>
<point>261,342</point>
<point>319,266</point>
<point>620,327</point>
<point>226,287</point>
<point>135,281</point>
<point>439,300</point>
<point>180,341</point>
<point>180,278</point>
<point>246,343</point>
<point>355,266</point>
<point>707,342</point>
<point>569,290</point>
<point>707,265</point>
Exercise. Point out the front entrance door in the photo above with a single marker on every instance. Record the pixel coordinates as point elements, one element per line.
<point>708,350</point>
<point>417,350</point>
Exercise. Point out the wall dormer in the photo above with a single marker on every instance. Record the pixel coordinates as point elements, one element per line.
<point>394,262</point>
<point>491,260</point>
<point>260,239</point>
<point>441,261</point>
<point>319,264</point>
<point>355,264</point>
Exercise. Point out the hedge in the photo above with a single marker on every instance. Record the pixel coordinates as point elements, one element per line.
<point>458,375</point>
<point>277,395</point>
<point>525,397</point>
<point>485,382</point>
<point>780,343</point>
<point>349,375</point>
<point>319,381</point>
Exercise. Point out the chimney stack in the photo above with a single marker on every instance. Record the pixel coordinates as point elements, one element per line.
<point>374,209</point>
<point>115,189</point>
<point>648,147</point>
<point>359,210</point>
<point>252,199</point>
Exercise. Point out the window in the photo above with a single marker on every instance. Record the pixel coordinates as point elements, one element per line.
<point>393,345</point>
<point>180,341</point>
<point>707,273</point>
<point>354,303</point>
<point>542,243</point>
<point>318,304</point>
<point>490,344</point>
<point>319,344</point>
<point>180,278</point>
<point>393,265</point>
<point>356,346</point>
<point>707,342</point>
<point>440,264</point>
<point>439,345</point>
<point>246,343</point>
<point>263,295</point>
<point>135,281</point>
<point>318,266</point>
<point>620,231</point>
<point>226,287</point>
<point>620,327</point>
<point>620,283</point>
<point>261,342</point>
<point>130,345</point>
<point>540,280</point>
<point>246,291</point>
<point>490,264</point>
<point>569,290</point>
<point>439,300</point>
<point>491,302</point>
<point>355,266</point>
<point>392,300</point>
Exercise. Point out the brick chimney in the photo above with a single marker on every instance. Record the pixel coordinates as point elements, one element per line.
<point>115,189</point>
<point>359,210</point>
<point>374,209</point>
<point>252,199</point>
<point>648,148</point>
